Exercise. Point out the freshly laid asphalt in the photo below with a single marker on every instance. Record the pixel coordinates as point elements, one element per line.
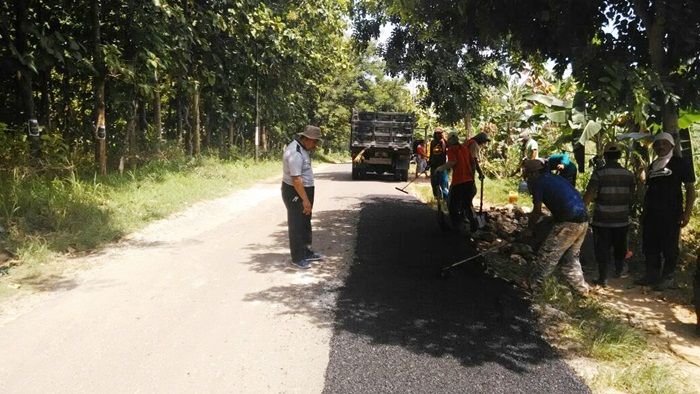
<point>400,328</point>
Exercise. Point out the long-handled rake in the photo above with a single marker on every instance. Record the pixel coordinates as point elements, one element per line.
<point>444,271</point>
<point>403,189</point>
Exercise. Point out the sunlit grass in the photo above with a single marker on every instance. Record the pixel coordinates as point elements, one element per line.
<point>622,351</point>
<point>642,378</point>
<point>44,217</point>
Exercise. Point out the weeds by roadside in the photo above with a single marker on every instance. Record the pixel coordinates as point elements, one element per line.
<point>625,360</point>
<point>44,217</point>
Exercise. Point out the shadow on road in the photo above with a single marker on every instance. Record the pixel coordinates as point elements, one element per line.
<point>395,319</point>
<point>346,176</point>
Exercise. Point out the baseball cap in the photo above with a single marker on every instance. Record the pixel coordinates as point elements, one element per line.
<point>482,138</point>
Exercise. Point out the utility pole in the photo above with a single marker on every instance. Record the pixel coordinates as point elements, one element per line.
<point>257,117</point>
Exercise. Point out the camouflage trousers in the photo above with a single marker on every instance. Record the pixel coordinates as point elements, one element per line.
<point>561,248</point>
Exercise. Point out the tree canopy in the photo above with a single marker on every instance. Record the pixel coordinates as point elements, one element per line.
<point>631,55</point>
<point>137,76</point>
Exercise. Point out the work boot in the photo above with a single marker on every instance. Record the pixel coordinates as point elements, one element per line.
<point>619,270</point>
<point>601,282</point>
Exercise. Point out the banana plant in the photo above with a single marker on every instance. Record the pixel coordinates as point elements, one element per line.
<point>570,114</point>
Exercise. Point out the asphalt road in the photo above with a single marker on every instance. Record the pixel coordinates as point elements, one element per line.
<point>400,328</point>
<point>206,301</point>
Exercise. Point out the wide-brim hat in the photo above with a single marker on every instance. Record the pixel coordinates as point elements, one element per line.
<point>312,133</point>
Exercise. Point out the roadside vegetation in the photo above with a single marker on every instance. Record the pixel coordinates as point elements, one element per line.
<point>114,114</point>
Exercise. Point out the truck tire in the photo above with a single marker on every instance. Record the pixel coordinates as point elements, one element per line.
<point>355,174</point>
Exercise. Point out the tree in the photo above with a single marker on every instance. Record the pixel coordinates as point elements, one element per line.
<point>654,42</point>
<point>455,72</point>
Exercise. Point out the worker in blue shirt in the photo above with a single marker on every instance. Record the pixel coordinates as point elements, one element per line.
<point>562,246</point>
<point>563,166</point>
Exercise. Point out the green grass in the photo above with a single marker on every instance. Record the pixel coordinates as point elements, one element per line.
<point>622,351</point>
<point>331,157</point>
<point>634,378</point>
<point>496,192</point>
<point>47,217</point>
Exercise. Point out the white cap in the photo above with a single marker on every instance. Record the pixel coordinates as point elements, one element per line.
<point>665,136</point>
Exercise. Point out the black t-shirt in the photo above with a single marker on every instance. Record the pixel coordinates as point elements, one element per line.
<point>664,193</point>
<point>438,153</point>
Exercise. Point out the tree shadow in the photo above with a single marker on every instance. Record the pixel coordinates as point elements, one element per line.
<point>346,176</point>
<point>388,298</point>
<point>47,283</point>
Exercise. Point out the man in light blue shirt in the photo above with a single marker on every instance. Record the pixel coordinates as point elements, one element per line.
<point>298,195</point>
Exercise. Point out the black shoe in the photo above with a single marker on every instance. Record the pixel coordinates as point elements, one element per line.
<point>664,284</point>
<point>644,281</point>
<point>313,256</point>
<point>601,282</point>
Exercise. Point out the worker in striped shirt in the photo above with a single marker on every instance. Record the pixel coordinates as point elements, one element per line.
<point>612,188</point>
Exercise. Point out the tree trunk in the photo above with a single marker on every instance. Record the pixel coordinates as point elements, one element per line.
<point>180,121</point>
<point>208,120</point>
<point>45,103</point>
<point>196,138</point>
<point>231,138</point>
<point>468,124</point>
<point>100,128</point>
<point>656,25</point>
<point>132,150</point>
<point>157,123</point>
<point>142,126</point>
<point>24,79</point>
<point>263,138</point>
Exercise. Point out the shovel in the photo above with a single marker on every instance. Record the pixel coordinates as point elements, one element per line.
<point>403,189</point>
<point>480,217</point>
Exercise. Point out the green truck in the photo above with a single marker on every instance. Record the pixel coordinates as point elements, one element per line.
<point>380,142</point>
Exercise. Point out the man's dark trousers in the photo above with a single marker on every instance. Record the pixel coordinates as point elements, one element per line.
<point>298,224</point>
<point>604,239</point>
<point>460,203</point>
<point>660,239</point>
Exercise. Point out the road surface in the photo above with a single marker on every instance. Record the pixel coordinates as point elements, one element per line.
<point>206,301</point>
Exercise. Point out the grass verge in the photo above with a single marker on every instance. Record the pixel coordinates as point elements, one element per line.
<point>43,218</point>
<point>625,360</point>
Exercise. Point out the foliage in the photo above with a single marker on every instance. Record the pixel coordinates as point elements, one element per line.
<point>160,57</point>
<point>360,85</point>
<point>633,57</point>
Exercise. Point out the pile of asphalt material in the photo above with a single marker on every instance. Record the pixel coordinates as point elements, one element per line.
<point>510,253</point>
